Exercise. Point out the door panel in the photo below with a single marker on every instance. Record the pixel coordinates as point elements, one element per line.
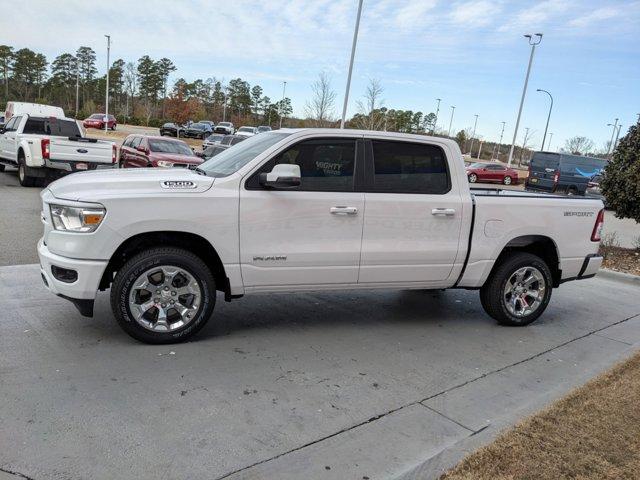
<point>293,238</point>
<point>412,223</point>
<point>309,235</point>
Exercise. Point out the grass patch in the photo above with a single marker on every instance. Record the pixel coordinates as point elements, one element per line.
<point>592,433</point>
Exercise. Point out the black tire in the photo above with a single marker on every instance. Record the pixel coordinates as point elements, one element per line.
<point>492,292</point>
<point>24,178</point>
<point>507,180</point>
<point>113,129</point>
<point>142,262</point>
<point>473,178</point>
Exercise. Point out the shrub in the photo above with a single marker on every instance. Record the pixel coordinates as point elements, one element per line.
<point>621,182</point>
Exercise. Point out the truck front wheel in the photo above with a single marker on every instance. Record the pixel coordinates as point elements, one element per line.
<point>518,290</point>
<point>163,295</point>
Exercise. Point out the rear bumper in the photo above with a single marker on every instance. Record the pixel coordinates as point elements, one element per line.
<point>71,166</point>
<point>588,269</point>
<point>82,291</point>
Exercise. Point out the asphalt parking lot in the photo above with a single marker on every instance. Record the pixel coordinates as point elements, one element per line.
<point>317,386</point>
<point>320,385</point>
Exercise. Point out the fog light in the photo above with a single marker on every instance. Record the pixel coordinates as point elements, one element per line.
<point>65,275</point>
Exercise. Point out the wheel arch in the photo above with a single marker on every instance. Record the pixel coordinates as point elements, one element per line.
<point>185,240</point>
<point>540,245</point>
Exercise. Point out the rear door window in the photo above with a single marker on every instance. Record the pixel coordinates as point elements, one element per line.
<point>135,143</point>
<point>403,167</point>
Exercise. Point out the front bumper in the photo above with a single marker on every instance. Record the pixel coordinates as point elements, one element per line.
<point>82,292</point>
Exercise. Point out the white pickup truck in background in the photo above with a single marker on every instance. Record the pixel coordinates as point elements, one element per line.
<point>315,209</point>
<point>44,147</point>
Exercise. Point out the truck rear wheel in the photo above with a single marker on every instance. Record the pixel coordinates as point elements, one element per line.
<point>25,179</point>
<point>163,295</point>
<point>518,290</point>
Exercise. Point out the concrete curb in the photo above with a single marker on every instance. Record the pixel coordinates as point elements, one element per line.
<point>619,276</point>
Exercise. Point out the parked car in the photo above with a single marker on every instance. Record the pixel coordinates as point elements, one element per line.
<point>97,120</point>
<point>2,122</point>
<point>491,172</point>
<point>146,151</point>
<point>213,139</point>
<point>562,172</point>
<point>247,131</point>
<point>224,127</point>
<point>285,211</point>
<point>197,130</point>
<point>227,141</point>
<point>45,148</point>
<point>208,122</point>
<point>171,130</point>
<point>264,128</point>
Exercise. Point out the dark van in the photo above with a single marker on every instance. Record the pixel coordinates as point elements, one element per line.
<point>562,172</point>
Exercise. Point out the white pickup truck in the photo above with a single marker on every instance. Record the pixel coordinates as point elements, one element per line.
<point>45,147</point>
<point>315,209</point>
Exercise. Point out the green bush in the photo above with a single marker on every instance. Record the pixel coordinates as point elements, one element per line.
<point>621,182</point>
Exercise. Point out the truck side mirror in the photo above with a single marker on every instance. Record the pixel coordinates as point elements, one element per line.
<point>283,176</point>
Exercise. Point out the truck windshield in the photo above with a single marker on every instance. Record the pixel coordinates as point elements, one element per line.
<point>237,156</point>
<point>51,126</point>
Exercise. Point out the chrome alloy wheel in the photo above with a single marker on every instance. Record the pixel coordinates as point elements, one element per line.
<point>165,298</point>
<point>524,291</point>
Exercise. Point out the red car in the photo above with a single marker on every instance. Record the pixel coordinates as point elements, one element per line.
<point>97,121</point>
<point>491,172</point>
<point>143,151</point>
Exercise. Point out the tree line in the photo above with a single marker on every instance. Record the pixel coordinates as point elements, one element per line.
<point>139,92</point>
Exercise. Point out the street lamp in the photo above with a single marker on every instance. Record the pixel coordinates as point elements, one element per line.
<point>614,125</point>
<point>499,143</point>
<point>544,137</point>
<point>435,121</point>
<point>549,144</point>
<point>533,42</point>
<point>615,142</point>
<point>284,86</point>
<point>473,135</point>
<point>106,102</point>
<point>353,54</point>
<point>451,121</point>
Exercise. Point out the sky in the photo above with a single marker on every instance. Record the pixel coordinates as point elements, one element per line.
<point>471,54</point>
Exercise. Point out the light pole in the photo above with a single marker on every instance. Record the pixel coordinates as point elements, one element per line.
<point>473,135</point>
<point>224,106</point>
<point>435,121</point>
<point>353,54</point>
<point>533,42</point>
<point>284,86</point>
<point>614,125</point>
<point>479,150</point>
<point>453,109</point>
<point>544,137</point>
<point>106,101</point>
<point>549,144</point>
<point>499,143</point>
<point>615,142</point>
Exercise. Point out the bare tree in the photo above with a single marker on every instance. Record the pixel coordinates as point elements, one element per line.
<point>527,143</point>
<point>320,108</point>
<point>371,118</point>
<point>130,83</point>
<point>578,145</point>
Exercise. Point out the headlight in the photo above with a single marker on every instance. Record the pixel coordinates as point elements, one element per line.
<point>165,163</point>
<point>76,219</point>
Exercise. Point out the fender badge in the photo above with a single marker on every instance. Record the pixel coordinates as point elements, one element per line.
<point>178,184</point>
<point>82,150</point>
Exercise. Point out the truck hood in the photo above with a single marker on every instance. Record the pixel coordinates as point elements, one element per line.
<point>93,185</point>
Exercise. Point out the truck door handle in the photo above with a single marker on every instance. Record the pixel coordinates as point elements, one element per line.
<point>343,210</point>
<point>443,212</point>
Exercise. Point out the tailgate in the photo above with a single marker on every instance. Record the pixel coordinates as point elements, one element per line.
<point>81,150</point>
